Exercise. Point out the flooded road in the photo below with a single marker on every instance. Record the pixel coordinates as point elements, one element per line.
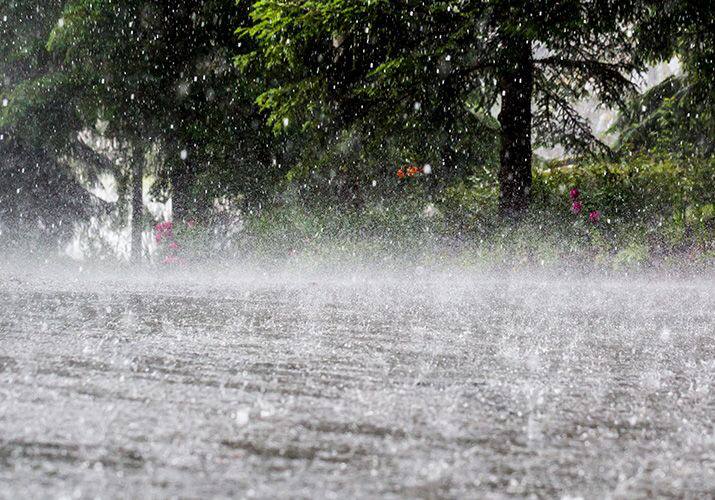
<point>356,384</point>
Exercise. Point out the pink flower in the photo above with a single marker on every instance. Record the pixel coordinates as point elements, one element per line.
<point>164,230</point>
<point>190,223</point>
<point>173,245</point>
<point>576,207</point>
<point>574,193</point>
<point>164,227</point>
<point>594,216</point>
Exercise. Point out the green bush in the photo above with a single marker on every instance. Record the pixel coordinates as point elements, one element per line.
<point>653,210</point>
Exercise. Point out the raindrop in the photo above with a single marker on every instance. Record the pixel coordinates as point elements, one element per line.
<point>184,154</point>
<point>243,416</point>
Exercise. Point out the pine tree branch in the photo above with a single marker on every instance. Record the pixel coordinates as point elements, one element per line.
<point>557,108</point>
<point>608,79</point>
<point>590,64</point>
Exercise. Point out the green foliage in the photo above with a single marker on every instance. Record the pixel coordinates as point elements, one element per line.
<point>675,116</point>
<point>669,117</point>
<point>430,63</point>
<point>40,201</point>
<point>163,73</point>
<point>38,106</point>
<point>314,104</point>
<point>653,212</point>
<point>640,188</point>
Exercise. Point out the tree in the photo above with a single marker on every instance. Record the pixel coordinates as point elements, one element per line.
<point>161,72</point>
<point>151,75</point>
<point>677,114</point>
<point>673,116</point>
<point>338,62</point>
<point>40,199</point>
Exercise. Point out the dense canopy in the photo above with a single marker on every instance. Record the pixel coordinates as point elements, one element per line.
<point>246,101</point>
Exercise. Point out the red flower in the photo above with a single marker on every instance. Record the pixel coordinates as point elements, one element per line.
<point>574,193</point>
<point>400,173</point>
<point>412,170</point>
<point>164,231</point>
<point>576,207</point>
<point>594,216</point>
<point>164,226</point>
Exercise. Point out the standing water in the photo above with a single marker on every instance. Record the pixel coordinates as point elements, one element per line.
<point>356,383</point>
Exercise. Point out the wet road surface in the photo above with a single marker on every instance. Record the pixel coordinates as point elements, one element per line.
<point>435,385</point>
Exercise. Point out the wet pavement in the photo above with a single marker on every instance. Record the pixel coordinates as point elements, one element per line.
<point>340,384</point>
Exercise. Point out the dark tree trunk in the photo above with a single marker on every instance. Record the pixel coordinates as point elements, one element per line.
<point>184,205</point>
<point>182,179</point>
<point>137,203</point>
<point>517,84</point>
